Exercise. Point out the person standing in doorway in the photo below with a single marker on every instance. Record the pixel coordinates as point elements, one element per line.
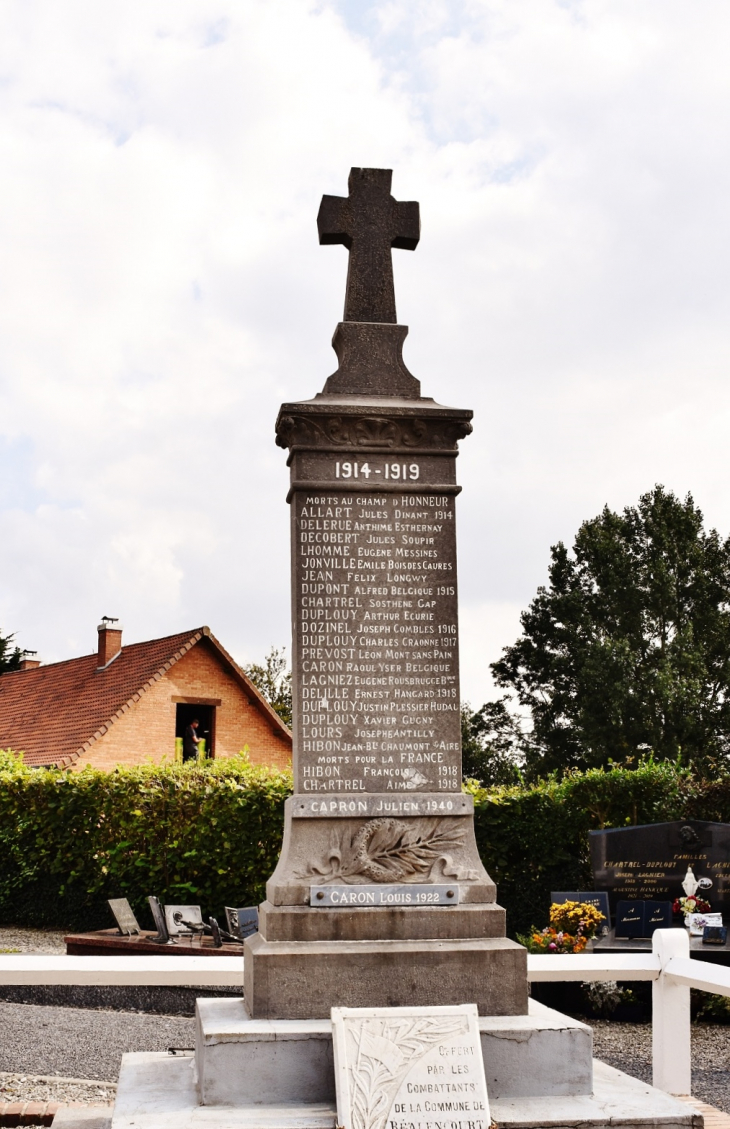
<point>191,741</point>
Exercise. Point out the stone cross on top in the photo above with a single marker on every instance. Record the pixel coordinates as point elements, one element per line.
<point>369,222</point>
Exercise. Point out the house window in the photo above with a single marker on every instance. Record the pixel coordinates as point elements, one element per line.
<point>186,713</point>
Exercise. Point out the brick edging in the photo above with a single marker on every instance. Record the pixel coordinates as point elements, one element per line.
<point>28,1113</point>
<point>14,1114</point>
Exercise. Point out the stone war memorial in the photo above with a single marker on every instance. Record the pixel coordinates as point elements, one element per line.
<point>381,990</point>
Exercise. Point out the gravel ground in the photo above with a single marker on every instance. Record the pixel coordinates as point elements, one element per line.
<point>627,1046</point>
<point>14,939</point>
<point>82,1043</point>
<point>40,1088</point>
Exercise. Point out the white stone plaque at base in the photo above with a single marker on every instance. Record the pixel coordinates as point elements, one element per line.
<point>409,1068</point>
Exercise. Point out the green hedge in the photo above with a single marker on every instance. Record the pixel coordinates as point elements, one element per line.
<point>211,834</point>
<point>207,834</point>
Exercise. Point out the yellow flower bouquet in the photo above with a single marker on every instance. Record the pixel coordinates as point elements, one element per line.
<point>572,926</point>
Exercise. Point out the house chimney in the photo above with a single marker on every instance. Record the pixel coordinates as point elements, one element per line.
<point>110,640</point>
<point>27,663</point>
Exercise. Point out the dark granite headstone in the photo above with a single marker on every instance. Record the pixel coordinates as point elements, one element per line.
<point>158,913</point>
<point>630,919</point>
<point>651,860</point>
<point>657,915</point>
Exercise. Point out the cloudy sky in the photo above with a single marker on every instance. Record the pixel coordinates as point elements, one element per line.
<point>162,289</point>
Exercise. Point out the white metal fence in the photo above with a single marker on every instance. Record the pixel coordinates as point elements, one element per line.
<point>668,966</point>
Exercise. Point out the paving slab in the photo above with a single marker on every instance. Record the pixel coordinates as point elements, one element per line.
<point>159,1092</point>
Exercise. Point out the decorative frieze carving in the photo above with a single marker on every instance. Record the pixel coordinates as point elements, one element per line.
<point>369,431</point>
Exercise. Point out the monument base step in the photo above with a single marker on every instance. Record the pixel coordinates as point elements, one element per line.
<point>365,923</point>
<point>305,979</point>
<point>243,1061</point>
<point>157,1091</point>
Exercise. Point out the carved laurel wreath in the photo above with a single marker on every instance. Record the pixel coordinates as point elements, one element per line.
<point>390,850</point>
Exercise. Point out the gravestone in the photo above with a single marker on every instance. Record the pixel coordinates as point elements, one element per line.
<point>242,922</point>
<point>650,861</point>
<point>124,916</point>
<point>375,663</point>
<point>405,1067</point>
<point>158,914</point>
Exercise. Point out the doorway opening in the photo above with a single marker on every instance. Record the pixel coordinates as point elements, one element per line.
<point>185,714</point>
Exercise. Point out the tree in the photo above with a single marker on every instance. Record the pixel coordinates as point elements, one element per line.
<point>627,650</point>
<point>273,679</point>
<point>9,656</point>
<point>492,744</point>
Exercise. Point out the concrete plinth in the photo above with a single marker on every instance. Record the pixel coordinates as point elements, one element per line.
<point>244,1061</point>
<point>304,980</point>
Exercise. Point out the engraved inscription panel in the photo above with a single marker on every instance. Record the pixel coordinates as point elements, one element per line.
<point>376,681</point>
<point>396,1068</point>
<point>379,804</point>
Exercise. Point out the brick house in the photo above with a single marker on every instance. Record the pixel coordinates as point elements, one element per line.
<point>127,705</point>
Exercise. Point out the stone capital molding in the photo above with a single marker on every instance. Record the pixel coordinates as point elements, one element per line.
<point>369,432</point>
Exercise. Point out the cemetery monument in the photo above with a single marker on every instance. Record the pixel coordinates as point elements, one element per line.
<point>379,844</point>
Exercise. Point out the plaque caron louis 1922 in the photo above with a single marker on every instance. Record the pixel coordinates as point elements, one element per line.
<point>376,723</point>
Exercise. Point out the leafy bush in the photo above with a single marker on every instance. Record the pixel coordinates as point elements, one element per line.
<point>207,833</point>
<point>709,1008</point>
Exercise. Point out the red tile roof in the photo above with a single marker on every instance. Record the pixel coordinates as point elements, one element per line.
<point>54,713</point>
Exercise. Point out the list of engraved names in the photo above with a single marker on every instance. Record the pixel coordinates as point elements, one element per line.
<point>376,641</point>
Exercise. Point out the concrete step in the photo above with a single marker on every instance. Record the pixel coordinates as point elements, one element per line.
<point>242,1060</point>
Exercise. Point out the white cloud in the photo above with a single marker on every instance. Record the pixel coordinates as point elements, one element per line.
<point>162,290</point>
